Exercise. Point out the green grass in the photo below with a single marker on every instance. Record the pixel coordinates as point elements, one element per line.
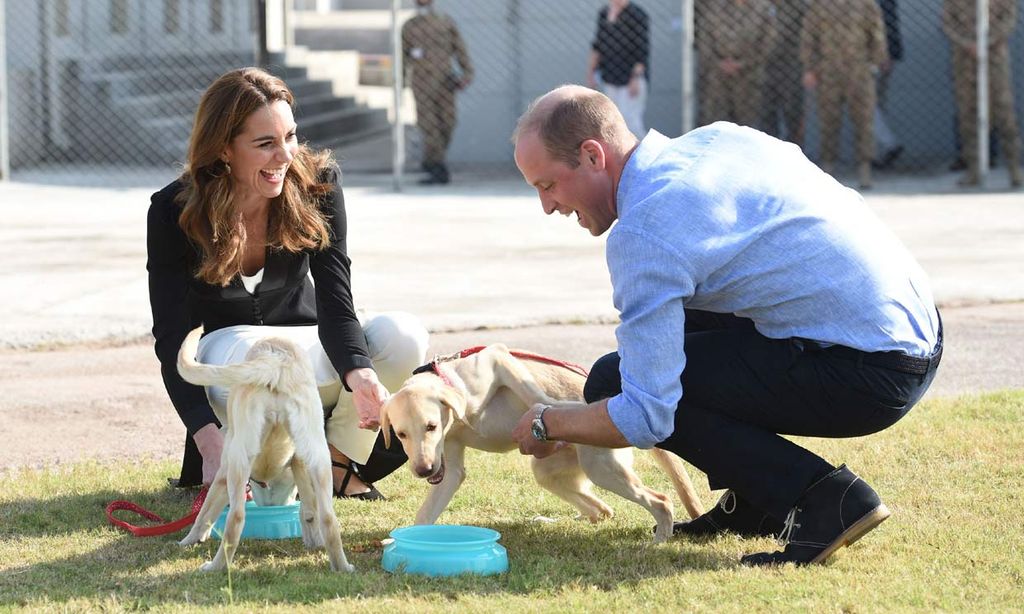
<point>952,472</point>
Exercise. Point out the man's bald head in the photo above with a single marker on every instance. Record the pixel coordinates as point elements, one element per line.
<point>567,116</point>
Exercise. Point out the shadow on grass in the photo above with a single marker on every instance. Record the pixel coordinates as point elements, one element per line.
<point>90,557</point>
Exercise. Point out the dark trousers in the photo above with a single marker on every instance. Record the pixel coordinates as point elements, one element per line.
<point>742,390</point>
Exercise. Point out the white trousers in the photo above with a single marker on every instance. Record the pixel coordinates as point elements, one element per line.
<point>632,108</point>
<point>397,342</point>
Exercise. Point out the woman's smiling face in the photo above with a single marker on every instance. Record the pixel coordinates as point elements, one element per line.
<point>262,152</point>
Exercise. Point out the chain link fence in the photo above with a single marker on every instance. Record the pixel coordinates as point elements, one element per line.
<point>884,83</point>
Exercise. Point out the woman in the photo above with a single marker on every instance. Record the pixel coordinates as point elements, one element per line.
<point>250,241</point>
<point>620,58</point>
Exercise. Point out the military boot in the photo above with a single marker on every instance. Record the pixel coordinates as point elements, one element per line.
<point>971,178</point>
<point>437,175</point>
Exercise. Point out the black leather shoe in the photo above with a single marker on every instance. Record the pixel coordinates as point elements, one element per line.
<point>730,514</point>
<point>835,511</point>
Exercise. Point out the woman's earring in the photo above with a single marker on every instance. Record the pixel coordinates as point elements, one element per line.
<point>227,167</point>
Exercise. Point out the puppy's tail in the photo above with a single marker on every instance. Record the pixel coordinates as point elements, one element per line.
<point>264,370</point>
<point>674,468</point>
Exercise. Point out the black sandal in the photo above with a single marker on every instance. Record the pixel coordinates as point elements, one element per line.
<point>371,495</point>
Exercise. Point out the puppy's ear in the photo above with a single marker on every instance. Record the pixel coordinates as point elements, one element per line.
<point>385,425</point>
<point>455,401</point>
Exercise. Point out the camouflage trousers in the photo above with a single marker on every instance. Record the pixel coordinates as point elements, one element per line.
<point>435,117</point>
<point>735,98</point>
<point>856,90</point>
<point>1001,107</point>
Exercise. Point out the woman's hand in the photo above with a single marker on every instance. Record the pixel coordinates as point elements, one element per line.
<point>368,395</point>
<point>210,442</point>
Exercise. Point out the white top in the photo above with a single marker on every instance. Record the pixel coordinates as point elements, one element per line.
<point>251,281</point>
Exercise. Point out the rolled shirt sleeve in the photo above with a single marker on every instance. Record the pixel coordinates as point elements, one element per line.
<point>649,293</point>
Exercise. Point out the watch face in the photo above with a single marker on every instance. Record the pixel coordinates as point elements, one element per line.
<point>538,430</point>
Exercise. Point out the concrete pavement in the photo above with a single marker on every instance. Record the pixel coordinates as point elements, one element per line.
<point>479,253</point>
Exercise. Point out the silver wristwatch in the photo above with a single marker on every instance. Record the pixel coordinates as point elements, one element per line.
<point>537,428</point>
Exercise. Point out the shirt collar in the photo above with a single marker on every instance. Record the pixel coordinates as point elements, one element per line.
<point>642,157</point>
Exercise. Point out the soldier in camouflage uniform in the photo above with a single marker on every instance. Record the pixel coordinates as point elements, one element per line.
<point>783,94</point>
<point>734,37</point>
<point>959,22</point>
<point>841,47</point>
<point>430,41</point>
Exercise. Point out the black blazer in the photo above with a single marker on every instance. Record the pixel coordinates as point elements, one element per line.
<point>285,297</point>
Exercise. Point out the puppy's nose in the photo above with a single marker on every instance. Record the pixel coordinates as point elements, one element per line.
<point>425,470</point>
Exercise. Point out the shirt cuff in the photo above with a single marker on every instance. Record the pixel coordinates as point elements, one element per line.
<point>630,422</point>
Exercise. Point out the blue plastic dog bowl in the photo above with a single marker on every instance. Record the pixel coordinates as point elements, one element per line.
<point>267,522</point>
<point>445,550</point>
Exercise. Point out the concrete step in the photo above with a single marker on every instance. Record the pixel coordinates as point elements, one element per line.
<point>127,83</point>
<point>375,41</point>
<point>226,60</point>
<point>327,127</point>
<point>306,88</point>
<point>315,105</point>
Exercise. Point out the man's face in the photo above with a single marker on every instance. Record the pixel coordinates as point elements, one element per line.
<point>586,190</point>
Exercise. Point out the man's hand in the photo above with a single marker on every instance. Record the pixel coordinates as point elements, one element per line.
<point>368,396</point>
<point>810,80</point>
<point>528,445</point>
<point>210,442</point>
<point>634,85</point>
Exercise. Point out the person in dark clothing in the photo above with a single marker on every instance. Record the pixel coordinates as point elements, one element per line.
<point>620,58</point>
<point>250,242</point>
<point>887,144</point>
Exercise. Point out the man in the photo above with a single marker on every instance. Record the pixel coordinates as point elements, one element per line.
<point>756,296</point>
<point>620,56</point>
<point>734,40</point>
<point>842,47</point>
<point>959,20</point>
<point>430,41</point>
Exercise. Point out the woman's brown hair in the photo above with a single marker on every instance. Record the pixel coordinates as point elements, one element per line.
<point>209,216</point>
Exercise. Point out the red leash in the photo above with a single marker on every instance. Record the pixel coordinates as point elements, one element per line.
<point>161,529</point>
<point>575,368</point>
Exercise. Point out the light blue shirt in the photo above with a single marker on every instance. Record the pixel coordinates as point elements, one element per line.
<point>730,220</point>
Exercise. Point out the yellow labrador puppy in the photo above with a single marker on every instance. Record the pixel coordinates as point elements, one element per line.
<point>275,434</point>
<point>475,401</point>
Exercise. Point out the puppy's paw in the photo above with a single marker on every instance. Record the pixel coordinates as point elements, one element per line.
<point>345,568</point>
<point>189,540</point>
